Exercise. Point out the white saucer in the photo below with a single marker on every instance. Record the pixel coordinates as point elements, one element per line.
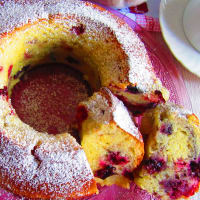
<point>171,21</point>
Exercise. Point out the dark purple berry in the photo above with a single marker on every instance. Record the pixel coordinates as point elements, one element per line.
<point>133,89</point>
<point>178,188</point>
<point>128,174</point>
<point>78,30</point>
<point>116,159</point>
<point>195,169</point>
<point>4,91</point>
<point>154,165</point>
<point>166,129</point>
<point>105,172</point>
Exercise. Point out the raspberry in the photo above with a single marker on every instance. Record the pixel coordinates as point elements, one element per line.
<point>178,188</point>
<point>116,159</point>
<point>132,89</point>
<point>154,165</point>
<point>166,129</point>
<point>195,169</point>
<point>105,172</point>
<point>78,30</point>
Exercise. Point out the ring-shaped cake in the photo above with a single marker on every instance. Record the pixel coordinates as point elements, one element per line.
<point>95,42</point>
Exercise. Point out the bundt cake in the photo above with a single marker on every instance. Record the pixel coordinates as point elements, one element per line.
<point>87,38</point>
<point>171,166</point>
<point>82,35</point>
<point>39,165</point>
<point>112,143</point>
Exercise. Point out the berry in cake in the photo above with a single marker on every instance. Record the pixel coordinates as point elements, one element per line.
<point>4,91</point>
<point>171,166</point>
<point>105,171</point>
<point>154,165</point>
<point>112,143</point>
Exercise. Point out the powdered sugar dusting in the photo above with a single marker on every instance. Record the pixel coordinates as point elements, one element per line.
<point>32,158</point>
<point>104,107</point>
<point>177,109</point>
<point>140,70</point>
<point>99,108</point>
<point>123,119</point>
<point>55,165</point>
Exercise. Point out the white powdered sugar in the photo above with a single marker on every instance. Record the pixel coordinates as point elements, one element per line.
<point>16,14</point>
<point>179,110</point>
<point>55,165</point>
<point>104,107</point>
<point>123,119</point>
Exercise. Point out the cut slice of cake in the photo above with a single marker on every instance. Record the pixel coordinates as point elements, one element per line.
<point>112,143</point>
<point>171,166</point>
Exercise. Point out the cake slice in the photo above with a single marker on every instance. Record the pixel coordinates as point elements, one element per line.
<point>112,143</point>
<point>171,167</point>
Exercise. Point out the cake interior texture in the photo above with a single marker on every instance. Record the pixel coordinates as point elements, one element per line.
<point>97,47</point>
<point>110,139</point>
<point>96,53</point>
<point>170,169</point>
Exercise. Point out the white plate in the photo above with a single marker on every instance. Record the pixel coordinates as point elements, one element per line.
<point>191,23</point>
<point>171,21</point>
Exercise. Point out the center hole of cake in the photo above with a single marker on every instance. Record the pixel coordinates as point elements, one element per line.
<point>47,96</point>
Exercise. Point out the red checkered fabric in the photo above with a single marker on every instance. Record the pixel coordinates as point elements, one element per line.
<point>148,23</point>
<point>138,14</point>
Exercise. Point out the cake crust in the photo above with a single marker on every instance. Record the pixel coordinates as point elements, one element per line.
<point>34,164</point>
<point>136,70</point>
<point>170,169</point>
<point>39,165</point>
<point>112,142</point>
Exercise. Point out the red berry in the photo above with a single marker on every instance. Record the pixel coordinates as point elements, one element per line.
<point>176,188</point>
<point>116,159</point>
<point>105,172</point>
<point>78,30</point>
<point>166,129</point>
<point>4,91</point>
<point>154,165</point>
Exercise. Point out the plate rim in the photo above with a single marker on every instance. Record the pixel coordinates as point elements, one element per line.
<point>177,37</point>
